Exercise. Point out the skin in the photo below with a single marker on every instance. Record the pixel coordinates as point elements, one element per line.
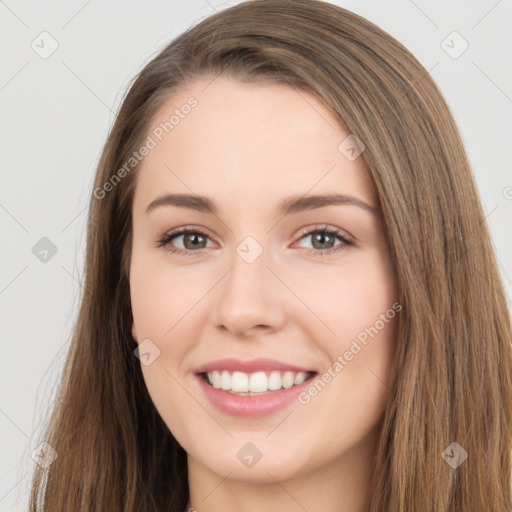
<point>247,147</point>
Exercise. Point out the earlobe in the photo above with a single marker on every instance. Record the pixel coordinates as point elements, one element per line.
<point>134,332</point>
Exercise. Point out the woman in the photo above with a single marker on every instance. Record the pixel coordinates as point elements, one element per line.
<point>218,363</point>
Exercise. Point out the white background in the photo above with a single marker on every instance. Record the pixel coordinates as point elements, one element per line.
<point>55,116</point>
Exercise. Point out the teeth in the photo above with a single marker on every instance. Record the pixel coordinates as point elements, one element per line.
<point>239,381</point>
<point>259,382</point>
<point>274,381</point>
<point>225,381</point>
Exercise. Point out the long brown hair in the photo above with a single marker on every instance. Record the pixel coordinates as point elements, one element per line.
<point>452,380</point>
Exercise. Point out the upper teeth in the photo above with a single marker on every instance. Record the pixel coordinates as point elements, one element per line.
<point>255,382</point>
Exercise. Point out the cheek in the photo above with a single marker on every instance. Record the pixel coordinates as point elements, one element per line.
<point>358,305</point>
<point>352,390</point>
<point>352,298</point>
<point>161,296</point>
<point>162,299</point>
<point>182,415</point>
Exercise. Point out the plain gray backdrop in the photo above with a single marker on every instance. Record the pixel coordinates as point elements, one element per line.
<point>64,70</point>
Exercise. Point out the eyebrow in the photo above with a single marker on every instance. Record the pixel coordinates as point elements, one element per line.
<point>289,206</point>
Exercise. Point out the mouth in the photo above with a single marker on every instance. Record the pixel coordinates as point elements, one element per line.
<point>256,383</point>
<point>252,388</point>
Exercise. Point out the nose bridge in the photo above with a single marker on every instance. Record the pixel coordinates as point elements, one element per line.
<point>249,273</point>
<point>249,292</point>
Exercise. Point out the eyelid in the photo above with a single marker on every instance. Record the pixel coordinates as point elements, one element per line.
<point>328,227</point>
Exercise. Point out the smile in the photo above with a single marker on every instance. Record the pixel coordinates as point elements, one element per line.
<point>257,383</point>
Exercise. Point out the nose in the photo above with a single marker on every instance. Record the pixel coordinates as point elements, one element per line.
<point>251,298</point>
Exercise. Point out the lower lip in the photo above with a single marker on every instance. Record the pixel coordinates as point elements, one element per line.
<point>251,406</point>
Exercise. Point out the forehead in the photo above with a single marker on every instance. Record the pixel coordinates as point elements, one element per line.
<point>251,143</point>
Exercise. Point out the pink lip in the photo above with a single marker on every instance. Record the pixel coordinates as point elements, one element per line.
<point>254,365</point>
<point>251,406</point>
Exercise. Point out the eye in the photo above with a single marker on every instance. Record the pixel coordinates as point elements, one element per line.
<point>196,240</point>
<point>322,236</point>
<point>192,236</point>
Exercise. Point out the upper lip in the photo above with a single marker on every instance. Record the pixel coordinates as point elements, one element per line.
<point>261,364</point>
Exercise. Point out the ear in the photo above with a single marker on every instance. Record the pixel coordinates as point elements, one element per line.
<point>134,332</point>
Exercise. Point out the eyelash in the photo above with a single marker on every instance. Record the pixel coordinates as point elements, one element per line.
<point>346,243</point>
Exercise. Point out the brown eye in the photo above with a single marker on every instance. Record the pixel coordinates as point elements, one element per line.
<point>193,240</point>
<point>323,240</point>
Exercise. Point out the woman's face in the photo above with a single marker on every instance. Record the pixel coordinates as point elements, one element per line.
<point>257,279</point>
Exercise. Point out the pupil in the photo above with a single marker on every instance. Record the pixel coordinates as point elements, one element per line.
<point>320,237</point>
<point>194,243</point>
